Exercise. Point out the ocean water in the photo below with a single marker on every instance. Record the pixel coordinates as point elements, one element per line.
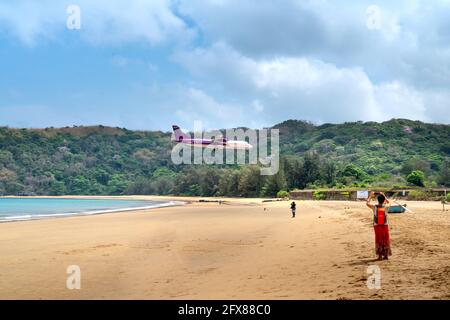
<point>19,209</point>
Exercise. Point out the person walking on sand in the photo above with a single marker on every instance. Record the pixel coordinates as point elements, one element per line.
<point>293,207</point>
<point>380,225</point>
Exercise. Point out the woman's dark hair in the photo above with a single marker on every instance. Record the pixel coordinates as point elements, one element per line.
<point>381,199</point>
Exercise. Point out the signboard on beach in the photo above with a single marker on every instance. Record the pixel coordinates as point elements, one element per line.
<point>362,194</point>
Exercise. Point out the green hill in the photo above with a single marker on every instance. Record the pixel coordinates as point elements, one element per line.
<point>103,160</point>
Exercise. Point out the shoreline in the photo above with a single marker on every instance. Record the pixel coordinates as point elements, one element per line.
<point>171,201</point>
<point>39,216</point>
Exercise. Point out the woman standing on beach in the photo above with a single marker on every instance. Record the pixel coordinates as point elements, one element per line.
<point>380,224</point>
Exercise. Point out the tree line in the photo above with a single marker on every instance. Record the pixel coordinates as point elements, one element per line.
<point>112,161</point>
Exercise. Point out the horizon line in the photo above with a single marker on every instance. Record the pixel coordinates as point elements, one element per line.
<point>235,127</point>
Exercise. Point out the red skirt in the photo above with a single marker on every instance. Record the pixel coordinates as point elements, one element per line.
<point>382,241</point>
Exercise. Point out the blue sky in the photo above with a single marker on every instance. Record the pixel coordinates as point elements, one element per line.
<point>146,64</point>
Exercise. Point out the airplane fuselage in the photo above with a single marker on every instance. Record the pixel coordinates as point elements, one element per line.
<point>208,143</point>
<point>217,143</point>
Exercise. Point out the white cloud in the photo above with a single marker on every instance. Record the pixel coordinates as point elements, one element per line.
<point>197,105</point>
<point>261,62</point>
<point>411,45</point>
<point>29,20</point>
<point>309,89</point>
<point>395,100</point>
<point>102,21</point>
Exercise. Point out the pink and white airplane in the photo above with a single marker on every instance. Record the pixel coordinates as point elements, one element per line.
<point>217,143</point>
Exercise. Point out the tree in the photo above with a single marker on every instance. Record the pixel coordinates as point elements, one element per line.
<point>194,190</point>
<point>352,170</point>
<point>140,186</point>
<point>80,186</point>
<point>416,178</point>
<point>274,183</point>
<point>57,188</point>
<point>250,182</point>
<point>293,171</point>
<point>311,168</point>
<point>101,176</point>
<point>415,164</point>
<point>84,160</point>
<point>444,177</point>
<point>228,183</point>
<point>162,185</point>
<point>329,170</point>
<point>282,194</point>
<point>117,184</point>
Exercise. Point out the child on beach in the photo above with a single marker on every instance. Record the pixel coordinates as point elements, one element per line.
<point>380,225</point>
<point>293,207</point>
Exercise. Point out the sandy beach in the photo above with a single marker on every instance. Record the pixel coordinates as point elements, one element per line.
<point>240,249</point>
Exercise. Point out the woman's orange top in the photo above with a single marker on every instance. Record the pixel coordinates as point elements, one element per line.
<point>380,216</point>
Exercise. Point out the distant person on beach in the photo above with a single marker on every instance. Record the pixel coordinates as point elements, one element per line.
<point>380,225</point>
<point>293,207</point>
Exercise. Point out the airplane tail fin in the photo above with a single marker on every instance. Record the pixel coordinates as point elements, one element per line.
<point>179,135</point>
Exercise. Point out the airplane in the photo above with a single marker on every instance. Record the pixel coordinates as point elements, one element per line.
<point>216,143</point>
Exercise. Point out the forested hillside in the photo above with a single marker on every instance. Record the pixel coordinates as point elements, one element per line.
<point>103,160</point>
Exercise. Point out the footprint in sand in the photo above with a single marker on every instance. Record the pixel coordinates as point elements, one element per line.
<point>83,250</point>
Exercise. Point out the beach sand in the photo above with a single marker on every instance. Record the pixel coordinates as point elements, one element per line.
<point>240,249</point>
